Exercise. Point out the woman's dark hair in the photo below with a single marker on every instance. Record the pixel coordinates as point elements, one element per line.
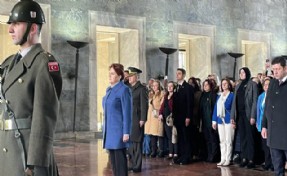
<point>119,69</point>
<point>174,86</point>
<point>210,83</point>
<point>195,84</point>
<point>229,84</point>
<point>198,80</point>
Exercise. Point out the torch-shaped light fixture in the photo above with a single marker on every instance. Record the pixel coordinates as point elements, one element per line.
<point>167,51</point>
<point>235,56</point>
<point>77,45</point>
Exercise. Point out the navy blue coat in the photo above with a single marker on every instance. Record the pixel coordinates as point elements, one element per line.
<point>117,105</point>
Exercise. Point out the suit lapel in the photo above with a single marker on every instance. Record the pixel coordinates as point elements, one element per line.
<point>13,75</point>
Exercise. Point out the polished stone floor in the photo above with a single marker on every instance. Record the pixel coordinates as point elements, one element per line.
<point>85,157</point>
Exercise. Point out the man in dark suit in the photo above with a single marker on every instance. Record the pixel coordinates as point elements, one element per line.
<point>31,85</point>
<point>182,112</point>
<point>274,123</point>
<point>139,116</point>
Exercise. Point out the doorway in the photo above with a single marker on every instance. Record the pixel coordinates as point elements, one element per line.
<point>114,45</point>
<point>195,55</point>
<point>255,54</point>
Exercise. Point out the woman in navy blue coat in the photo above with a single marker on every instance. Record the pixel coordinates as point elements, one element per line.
<point>117,105</point>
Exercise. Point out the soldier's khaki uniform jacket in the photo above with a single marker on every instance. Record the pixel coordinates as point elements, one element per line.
<point>32,89</point>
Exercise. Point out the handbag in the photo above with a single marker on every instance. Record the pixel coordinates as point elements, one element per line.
<point>169,120</point>
<point>154,111</point>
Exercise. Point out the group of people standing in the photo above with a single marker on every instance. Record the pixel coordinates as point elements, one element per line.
<point>183,114</point>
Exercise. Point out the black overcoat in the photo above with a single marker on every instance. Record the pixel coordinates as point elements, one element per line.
<point>183,98</point>
<point>275,115</point>
<point>140,108</point>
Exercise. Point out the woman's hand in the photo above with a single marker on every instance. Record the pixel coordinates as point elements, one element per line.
<point>160,118</point>
<point>141,123</point>
<point>233,123</point>
<point>214,126</point>
<point>252,121</point>
<point>126,138</point>
<point>187,121</point>
<point>264,133</point>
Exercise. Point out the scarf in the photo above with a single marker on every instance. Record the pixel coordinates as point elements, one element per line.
<point>221,106</point>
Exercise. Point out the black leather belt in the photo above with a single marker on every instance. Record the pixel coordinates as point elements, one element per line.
<point>9,124</point>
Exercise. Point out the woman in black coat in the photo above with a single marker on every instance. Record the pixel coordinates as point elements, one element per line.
<point>207,102</point>
<point>243,115</point>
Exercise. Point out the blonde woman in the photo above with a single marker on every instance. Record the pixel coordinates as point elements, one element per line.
<point>154,126</point>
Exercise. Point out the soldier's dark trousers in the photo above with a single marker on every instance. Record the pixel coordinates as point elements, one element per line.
<point>41,171</point>
<point>135,151</point>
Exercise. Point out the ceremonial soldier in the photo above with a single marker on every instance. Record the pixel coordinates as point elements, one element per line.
<point>31,85</point>
<point>140,107</point>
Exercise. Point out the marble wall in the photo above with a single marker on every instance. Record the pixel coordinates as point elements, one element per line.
<point>71,20</point>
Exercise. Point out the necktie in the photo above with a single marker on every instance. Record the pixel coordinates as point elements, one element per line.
<point>17,58</point>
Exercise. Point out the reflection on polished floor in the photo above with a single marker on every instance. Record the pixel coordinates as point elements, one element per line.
<point>85,157</point>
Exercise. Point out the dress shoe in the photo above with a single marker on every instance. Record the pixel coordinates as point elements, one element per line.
<point>160,154</point>
<point>184,161</point>
<point>221,163</point>
<point>153,155</point>
<point>243,163</point>
<point>176,160</point>
<point>250,165</point>
<point>264,167</point>
<point>130,169</point>
<point>137,170</point>
<point>236,159</point>
<point>268,168</point>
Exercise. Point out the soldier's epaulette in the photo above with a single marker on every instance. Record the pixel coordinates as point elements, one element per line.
<point>49,56</point>
<point>54,70</point>
<point>53,65</point>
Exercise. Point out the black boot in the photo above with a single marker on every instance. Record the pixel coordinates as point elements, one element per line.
<point>160,154</point>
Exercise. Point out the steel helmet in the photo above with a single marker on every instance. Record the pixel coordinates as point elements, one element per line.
<point>27,11</point>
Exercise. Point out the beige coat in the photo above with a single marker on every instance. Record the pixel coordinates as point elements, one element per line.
<point>153,126</point>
